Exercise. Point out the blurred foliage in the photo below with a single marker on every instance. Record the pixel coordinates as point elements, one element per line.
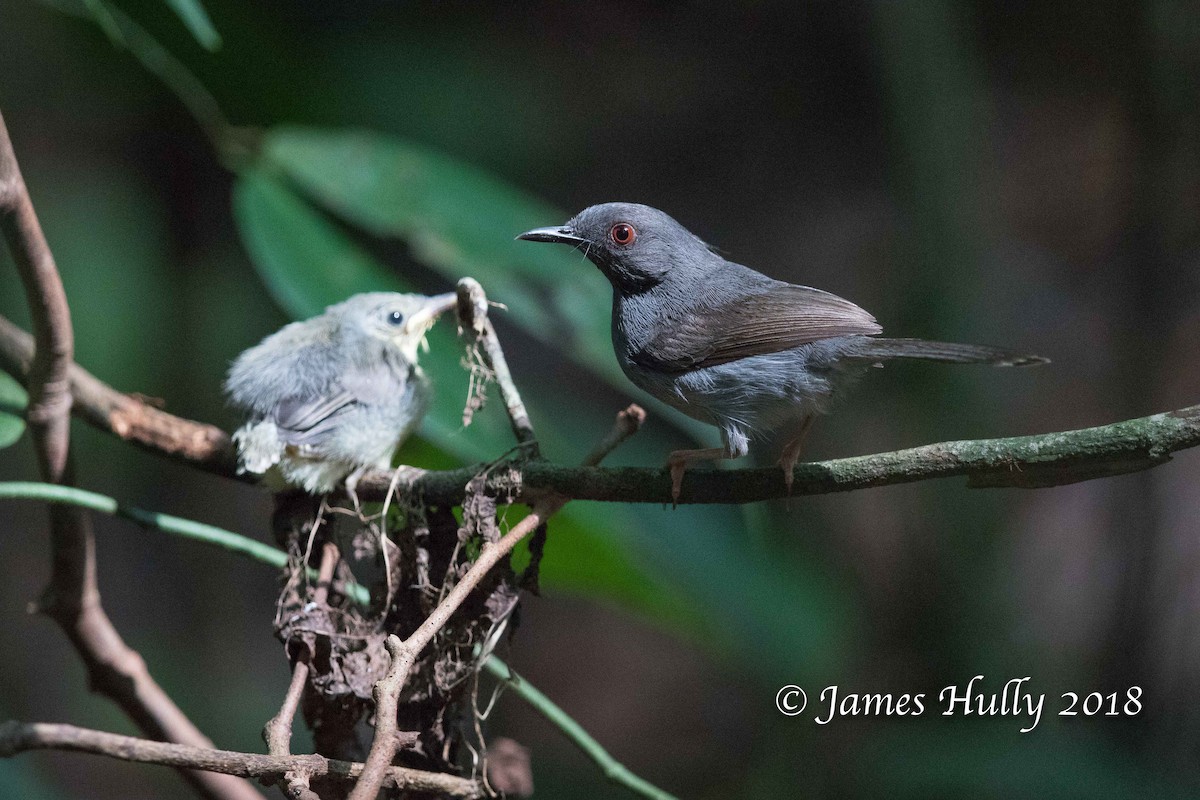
<point>12,405</point>
<point>193,15</point>
<point>881,150</point>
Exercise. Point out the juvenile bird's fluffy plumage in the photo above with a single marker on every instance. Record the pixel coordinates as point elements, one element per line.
<point>331,396</point>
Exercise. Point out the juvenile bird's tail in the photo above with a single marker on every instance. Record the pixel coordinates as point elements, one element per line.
<point>946,351</point>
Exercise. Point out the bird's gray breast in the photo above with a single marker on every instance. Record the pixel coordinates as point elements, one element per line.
<point>636,322</point>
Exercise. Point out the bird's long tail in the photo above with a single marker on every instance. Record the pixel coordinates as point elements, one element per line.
<point>946,351</point>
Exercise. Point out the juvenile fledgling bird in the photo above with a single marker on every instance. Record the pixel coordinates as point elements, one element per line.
<point>726,344</point>
<point>332,396</point>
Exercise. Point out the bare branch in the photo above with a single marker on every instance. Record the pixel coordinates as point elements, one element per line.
<point>387,698</point>
<point>628,423</point>
<point>16,737</point>
<point>73,597</point>
<point>277,733</point>
<point>126,416</point>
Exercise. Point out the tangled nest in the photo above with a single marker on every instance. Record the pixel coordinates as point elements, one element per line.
<point>409,556</point>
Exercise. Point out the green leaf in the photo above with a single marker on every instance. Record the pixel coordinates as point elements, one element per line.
<point>306,264</point>
<point>102,15</point>
<point>13,400</point>
<point>196,19</point>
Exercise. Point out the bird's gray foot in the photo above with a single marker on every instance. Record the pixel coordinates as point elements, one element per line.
<point>791,451</point>
<point>678,461</point>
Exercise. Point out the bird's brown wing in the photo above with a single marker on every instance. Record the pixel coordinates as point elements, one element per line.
<point>777,318</point>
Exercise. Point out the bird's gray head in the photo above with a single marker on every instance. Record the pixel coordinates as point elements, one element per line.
<point>401,320</point>
<point>637,247</point>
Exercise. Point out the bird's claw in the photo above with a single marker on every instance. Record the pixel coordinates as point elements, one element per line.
<point>677,466</point>
<point>788,465</point>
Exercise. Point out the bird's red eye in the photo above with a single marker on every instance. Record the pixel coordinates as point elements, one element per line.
<point>622,233</point>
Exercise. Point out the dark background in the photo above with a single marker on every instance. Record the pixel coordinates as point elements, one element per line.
<point>1022,174</point>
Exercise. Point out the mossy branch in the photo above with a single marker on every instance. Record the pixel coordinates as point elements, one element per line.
<point>1028,462</point>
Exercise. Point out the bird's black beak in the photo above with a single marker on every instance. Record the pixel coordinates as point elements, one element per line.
<point>560,234</point>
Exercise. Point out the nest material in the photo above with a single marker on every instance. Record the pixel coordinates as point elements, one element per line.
<point>428,551</point>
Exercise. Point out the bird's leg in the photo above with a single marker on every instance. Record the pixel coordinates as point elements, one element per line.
<point>352,487</point>
<point>791,450</point>
<point>312,532</point>
<point>678,461</point>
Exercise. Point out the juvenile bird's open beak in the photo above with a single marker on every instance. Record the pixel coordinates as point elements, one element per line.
<point>412,335</point>
<point>560,234</point>
<point>424,317</point>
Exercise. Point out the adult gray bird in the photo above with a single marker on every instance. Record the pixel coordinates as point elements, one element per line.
<point>726,344</point>
<point>332,396</point>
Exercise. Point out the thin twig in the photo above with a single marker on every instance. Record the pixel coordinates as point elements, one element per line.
<point>127,417</point>
<point>72,599</point>
<point>1031,462</point>
<point>16,737</point>
<point>473,321</point>
<point>277,733</point>
<point>404,653</point>
<point>186,528</point>
<point>614,770</point>
<point>176,526</point>
<point>629,421</point>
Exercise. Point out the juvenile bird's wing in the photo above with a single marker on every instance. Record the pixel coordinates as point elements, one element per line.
<point>302,379</point>
<point>307,419</point>
<point>777,317</point>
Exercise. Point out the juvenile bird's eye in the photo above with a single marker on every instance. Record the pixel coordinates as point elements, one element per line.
<point>622,233</point>
<point>395,318</point>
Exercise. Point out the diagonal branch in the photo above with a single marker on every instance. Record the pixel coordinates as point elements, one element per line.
<point>16,737</point>
<point>614,770</point>
<point>73,597</point>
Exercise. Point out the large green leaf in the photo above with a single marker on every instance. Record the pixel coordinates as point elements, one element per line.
<point>694,568</point>
<point>12,406</point>
<point>193,15</point>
